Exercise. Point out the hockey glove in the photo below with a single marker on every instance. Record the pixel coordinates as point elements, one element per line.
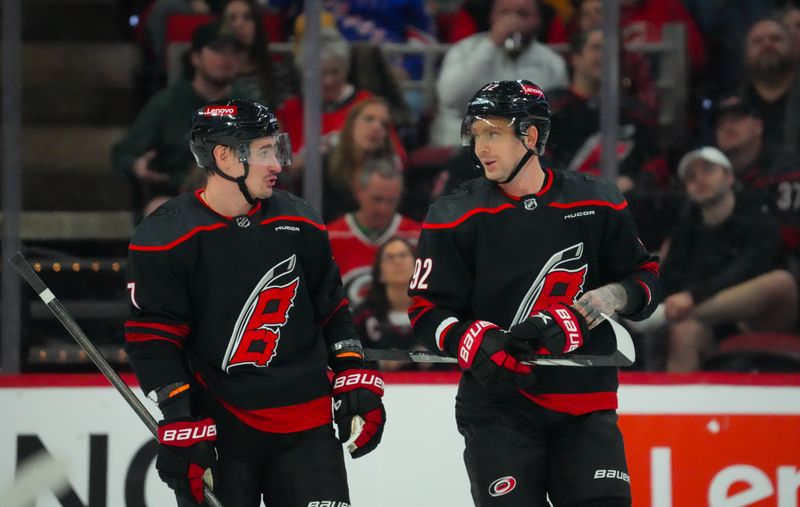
<point>488,352</point>
<point>358,409</point>
<point>186,450</point>
<point>558,329</point>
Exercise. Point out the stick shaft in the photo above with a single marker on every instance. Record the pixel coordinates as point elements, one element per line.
<point>63,316</point>
<point>418,356</point>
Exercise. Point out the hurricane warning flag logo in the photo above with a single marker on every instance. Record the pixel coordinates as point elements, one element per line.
<point>255,336</point>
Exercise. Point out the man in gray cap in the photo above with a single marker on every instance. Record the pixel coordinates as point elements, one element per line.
<point>718,276</point>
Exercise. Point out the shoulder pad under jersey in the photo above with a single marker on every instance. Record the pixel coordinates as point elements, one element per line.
<point>474,194</point>
<point>286,203</point>
<point>577,187</point>
<point>172,221</point>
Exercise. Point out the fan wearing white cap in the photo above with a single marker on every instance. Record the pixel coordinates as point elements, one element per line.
<point>714,272</point>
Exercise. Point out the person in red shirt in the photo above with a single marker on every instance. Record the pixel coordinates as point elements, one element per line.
<point>338,98</point>
<point>356,237</point>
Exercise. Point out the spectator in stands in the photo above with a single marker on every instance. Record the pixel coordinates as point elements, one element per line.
<point>790,17</point>
<point>356,236</point>
<point>156,24</point>
<point>636,76</point>
<point>338,98</point>
<point>642,21</point>
<point>473,17</point>
<point>364,136</point>
<point>770,184</point>
<point>368,70</point>
<point>723,25</point>
<point>155,151</point>
<point>507,51</point>
<point>574,142</point>
<point>382,319</point>
<point>772,87</point>
<point>400,21</point>
<point>720,246</point>
<point>261,78</point>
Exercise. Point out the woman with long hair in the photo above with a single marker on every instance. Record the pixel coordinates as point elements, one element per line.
<point>365,136</point>
<point>382,319</point>
<point>260,77</point>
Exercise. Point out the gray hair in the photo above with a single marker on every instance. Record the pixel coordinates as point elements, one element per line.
<point>382,166</point>
<point>332,45</point>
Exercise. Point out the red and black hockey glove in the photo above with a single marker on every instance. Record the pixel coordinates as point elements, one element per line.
<point>357,394</point>
<point>558,329</point>
<point>488,352</point>
<point>186,450</point>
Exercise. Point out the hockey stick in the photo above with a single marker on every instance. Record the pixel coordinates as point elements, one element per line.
<point>624,354</point>
<point>63,316</point>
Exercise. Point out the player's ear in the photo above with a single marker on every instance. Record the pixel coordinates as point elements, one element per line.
<point>531,137</point>
<point>221,155</point>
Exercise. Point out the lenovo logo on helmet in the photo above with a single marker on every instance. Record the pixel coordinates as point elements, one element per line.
<point>221,110</point>
<point>532,90</point>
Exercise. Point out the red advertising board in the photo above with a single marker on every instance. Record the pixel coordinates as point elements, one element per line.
<point>713,459</point>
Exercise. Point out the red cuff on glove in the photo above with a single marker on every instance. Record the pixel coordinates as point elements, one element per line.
<point>349,380</point>
<point>187,433</point>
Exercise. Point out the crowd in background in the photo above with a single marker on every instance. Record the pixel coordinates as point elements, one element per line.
<point>720,202</point>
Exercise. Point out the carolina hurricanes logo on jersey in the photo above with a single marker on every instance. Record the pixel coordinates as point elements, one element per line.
<point>255,336</point>
<point>554,283</point>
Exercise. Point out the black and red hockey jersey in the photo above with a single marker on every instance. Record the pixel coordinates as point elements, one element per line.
<point>247,305</point>
<point>490,256</point>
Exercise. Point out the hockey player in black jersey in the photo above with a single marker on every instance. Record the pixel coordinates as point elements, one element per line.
<point>236,314</point>
<point>528,260</point>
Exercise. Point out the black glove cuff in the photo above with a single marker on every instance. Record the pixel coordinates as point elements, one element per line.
<point>177,407</point>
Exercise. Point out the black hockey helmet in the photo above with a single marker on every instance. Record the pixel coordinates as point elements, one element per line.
<point>521,101</point>
<point>235,123</point>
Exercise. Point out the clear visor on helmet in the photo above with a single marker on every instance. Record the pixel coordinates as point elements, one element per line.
<point>471,123</point>
<point>269,150</point>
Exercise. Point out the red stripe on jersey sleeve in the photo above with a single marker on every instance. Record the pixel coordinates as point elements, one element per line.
<point>290,218</point>
<point>181,331</point>
<point>580,204</point>
<point>342,303</point>
<point>651,266</point>
<point>646,291</point>
<point>467,215</point>
<point>419,307</point>
<point>173,244</point>
<point>144,337</point>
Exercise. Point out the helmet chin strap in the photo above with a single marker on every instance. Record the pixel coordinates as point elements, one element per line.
<point>240,181</point>
<point>524,160</point>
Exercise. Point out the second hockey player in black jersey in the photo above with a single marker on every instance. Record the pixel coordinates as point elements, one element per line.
<point>528,260</point>
<point>236,314</point>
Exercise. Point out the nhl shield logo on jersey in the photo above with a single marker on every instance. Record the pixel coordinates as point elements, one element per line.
<point>255,336</point>
<point>243,222</point>
<point>530,203</point>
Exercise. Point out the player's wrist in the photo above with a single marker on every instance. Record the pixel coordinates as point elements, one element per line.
<point>346,355</point>
<point>174,401</point>
<point>633,296</point>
